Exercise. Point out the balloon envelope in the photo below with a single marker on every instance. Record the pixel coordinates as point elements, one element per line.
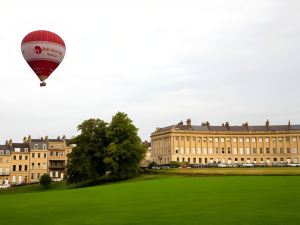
<point>43,51</point>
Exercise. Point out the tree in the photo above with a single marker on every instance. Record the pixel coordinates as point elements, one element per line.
<point>45,180</point>
<point>125,150</point>
<point>86,159</point>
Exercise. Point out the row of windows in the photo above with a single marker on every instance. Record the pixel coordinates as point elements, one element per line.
<point>36,146</point>
<point>235,160</point>
<point>235,139</point>
<point>7,152</point>
<point>25,167</point>
<point>235,151</point>
<point>57,154</point>
<point>21,157</point>
<point>38,155</point>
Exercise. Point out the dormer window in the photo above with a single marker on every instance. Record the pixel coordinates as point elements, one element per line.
<point>44,146</point>
<point>36,146</point>
<point>25,149</point>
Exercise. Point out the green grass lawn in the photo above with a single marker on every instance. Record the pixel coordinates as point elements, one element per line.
<point>158,199</point>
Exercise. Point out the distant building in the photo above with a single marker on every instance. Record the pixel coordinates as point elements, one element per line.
<point>265,144</point>
<point>147,159</point>
<point>26,162</point>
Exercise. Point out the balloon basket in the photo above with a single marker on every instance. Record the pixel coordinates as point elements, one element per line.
<point>43,84</point>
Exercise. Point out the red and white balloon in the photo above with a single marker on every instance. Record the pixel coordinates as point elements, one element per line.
<point>43,51</point>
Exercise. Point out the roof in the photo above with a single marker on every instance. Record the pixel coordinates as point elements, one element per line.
<point>4,147</point>
<point>207,128</point>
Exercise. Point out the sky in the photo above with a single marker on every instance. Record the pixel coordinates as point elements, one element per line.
<point>159,61</point>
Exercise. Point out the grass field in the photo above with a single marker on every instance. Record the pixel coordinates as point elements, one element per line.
<point>157,199</point>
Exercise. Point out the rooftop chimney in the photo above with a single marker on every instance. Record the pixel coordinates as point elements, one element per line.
<point>189,122</point>
<point>24,139</point>
<point>268,124</point>
<point>180,123</point>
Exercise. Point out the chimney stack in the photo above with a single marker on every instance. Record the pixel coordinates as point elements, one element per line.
<point>189,122</point>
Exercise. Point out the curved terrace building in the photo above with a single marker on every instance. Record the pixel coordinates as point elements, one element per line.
<point>265,144</point>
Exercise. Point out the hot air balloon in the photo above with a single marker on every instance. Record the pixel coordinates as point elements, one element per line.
<point>43,51</point>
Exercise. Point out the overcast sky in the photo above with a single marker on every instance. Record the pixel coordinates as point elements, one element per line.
<point>158,61</point>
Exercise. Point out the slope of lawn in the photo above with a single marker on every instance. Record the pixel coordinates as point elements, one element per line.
<point>163,200</point>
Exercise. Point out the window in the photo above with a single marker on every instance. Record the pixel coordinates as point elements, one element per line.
<point>182,159</point>
<point>260,150</point>
<point>236,160</point>
<point>44,166</point>
<point>51,153</point>
<point>253,140</point>
<point>247,140</point>
<point>199,150</point>
<point>254,159</point>
<point>295,150</point>
<point>228,139</point>
<point>254,150</point>
<point>235,151</point>
<point>200,160</point>
<point>62,153</point>
<point>51,146</point>
<point>241,139</point>
<point>281,159</point>
<point>287,138</point>
<point>288,150</point>
<point>274,139</point>
<point>182,150</point>
<point>15,157</point>
<point>32,165</point>
<point>217,150</point>
<point>241,151</point>
<point>267,151</point>
<point>45,155</point>
<point>210,151</point>
<point>25,149</point>
<point>204,139</point>
<point>187,150</point>
<point>32,176</point>
<point>194,160</point>
<point>26,157</point>
<point>7,152</point>
<point>36,146</point>
<point>20,167</point>
<point>281,150</point>
<point>26,167</point>
<point>210,139</point>
<point>187,138</point>
<point>234,139</point>
<point>275,159</point>
<point>260,140</point>
<point>274,150</point>
<point>223,150</point>
<point>242,159</point>
<point>222,139</point>
<point>177,159</point>
<point>228,150</point>
<point>14,167</point>
<point>1,152</point>
<point>44,146</point>
<point>38,176</point>
<point>176,150</point>
<point>39,155</point>
<point>193,151</point>
<point>199,139</point>
<point>248,151</point>
<point>262,160</point>
<point>267,140</point>
<point>32,155</point>
<point>39,166</point>
<point>204,151</point>
<point>216,140</point>
<point>280,139</point>
<point>194,139</point>
<point>20,157</point>
<point>294,139</point>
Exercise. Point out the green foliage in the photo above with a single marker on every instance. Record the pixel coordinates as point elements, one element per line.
<point>125,150</point>
<point>174,164</point>
<point>45,180</point>
<point>86,159</point>
<point>102,147</point>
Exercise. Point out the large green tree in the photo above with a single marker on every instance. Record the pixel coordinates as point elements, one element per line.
<point>101,147</point>
<point>125,150</point>
<point>86,159</point>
